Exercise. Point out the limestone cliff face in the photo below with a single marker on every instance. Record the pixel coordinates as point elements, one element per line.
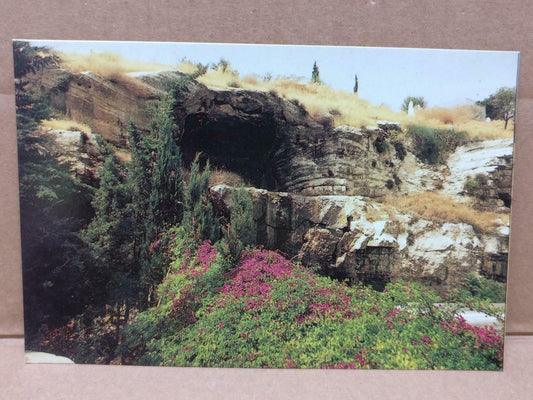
<point>105,105</point>
<point>272,142</point>
<point>337,234</point>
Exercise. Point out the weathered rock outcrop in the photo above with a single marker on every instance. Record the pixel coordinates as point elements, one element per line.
<point>105,105</point>
<point>270,141</point>
<point>274,144</point>
<point>491,163</point>
<point>338,234</point>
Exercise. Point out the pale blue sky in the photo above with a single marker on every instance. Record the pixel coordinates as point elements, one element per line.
<point>386,75</point>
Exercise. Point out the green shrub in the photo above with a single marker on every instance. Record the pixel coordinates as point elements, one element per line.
<point>400,150</point>
<point>417,101</point>
<point>381,146</point>
<point>193,277</point>
<point>433,146</point>
<point>474,183</point>
<point>478,288</point>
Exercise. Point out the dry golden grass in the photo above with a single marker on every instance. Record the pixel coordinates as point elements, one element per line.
<point>221,176</point>
<point>448,116</point>
<point>439,208</point>
<point>348,109</point>
<point>251,80</point>
<point>487,130</point>
<point>66,125</point>
<point>106,64</point>
<point>113,67</point>
<point>220,78</point>
<point>187,67</point>
<point>123,156</point>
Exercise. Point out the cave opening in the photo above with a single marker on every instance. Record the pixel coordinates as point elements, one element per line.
<point>506,198</point>
<point>234,144</point>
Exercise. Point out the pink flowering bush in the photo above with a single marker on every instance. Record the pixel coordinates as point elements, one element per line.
<point>270,313</point>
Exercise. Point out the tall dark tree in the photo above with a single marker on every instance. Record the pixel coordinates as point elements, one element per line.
<point>53,207</point>
<point>140,186</point>
<point>32,107</point>
<point>242,225</point>
<point>315,75</point>
<point>166,199</point>
<point>108,238</point>
<point>356,85</point>
<point>109,250</point>
<point>166,194</point>
<point>199,217</point>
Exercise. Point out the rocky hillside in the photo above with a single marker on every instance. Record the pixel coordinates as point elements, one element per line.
<point>317,189</point>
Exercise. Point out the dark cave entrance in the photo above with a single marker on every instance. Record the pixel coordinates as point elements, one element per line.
<point>234,144</point>
<point>506,198</point>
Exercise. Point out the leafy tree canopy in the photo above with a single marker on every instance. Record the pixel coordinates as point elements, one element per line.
<point>27,58</point>
<point>500,105</point>
<point>417,101</point>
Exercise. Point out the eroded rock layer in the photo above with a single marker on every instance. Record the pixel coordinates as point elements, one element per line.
<point>337,234</point>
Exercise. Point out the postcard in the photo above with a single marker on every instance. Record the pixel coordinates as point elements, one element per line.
<point>264,206</point>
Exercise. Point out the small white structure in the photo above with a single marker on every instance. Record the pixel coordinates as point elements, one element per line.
<point>410,109</point>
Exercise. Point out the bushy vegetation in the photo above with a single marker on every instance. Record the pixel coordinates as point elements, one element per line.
<point>476,183</point>
<point>477,288</point>
<point>401,152</point>
<point>54,205</point>
<point>434,145</point>
<point>267,312</point>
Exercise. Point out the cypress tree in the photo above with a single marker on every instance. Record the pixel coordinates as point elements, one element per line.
<point>166,198</point>
<point>140,186</point>
<point>315,75</point>
<point>108,239</point>
<point>356,85</point>
<point>199,217</point>
<point>166,193</point>
<point>242,225</point>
